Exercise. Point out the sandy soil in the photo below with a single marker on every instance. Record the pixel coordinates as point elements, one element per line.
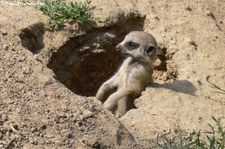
<point>37,110</point>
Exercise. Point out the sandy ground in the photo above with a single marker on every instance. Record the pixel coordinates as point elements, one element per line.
<point>38,111</point>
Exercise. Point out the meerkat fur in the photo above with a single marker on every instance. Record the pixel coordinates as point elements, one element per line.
<point>119,92</point>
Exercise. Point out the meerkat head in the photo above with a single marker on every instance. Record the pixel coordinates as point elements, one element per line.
<point>139,45</point>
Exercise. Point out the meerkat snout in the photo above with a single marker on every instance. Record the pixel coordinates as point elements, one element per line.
<point>118,46</point>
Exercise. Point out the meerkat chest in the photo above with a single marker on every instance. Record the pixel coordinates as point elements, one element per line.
<point>123,72</point>
<point>133,72</point>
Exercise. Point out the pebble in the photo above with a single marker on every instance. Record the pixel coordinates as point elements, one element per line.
<point>193,43</point>
<point>188,8</point>
<point>1,135</point>
<point>199,82</point>
<point>34,141</point>
<point>209,13</point>
<point>44,79</point>
<point>26,70</point>
<point>6,47</point>
<point>60,142</point>
<point>4,32</point>
<point>87,114</point>
<point>4,117</point>
<point>109,35</point>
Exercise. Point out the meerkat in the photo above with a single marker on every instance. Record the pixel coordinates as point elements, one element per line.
<point>119,92</point>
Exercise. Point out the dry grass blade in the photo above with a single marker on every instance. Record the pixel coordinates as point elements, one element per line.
<point>221,91</point>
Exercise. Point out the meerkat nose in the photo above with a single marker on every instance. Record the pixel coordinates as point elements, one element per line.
<point>118,47</point>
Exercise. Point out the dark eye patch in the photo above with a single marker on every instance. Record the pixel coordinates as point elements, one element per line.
<point>150,49</point>
<point>132,45</point>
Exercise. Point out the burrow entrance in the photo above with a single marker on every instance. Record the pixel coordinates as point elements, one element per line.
<point>84,62</point>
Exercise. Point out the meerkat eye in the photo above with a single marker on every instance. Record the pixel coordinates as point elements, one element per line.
<point>150,49</point>
<point>132,45</point>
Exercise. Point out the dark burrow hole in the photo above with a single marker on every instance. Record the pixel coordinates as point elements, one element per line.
<point>83,63</point>
<point>32,37</point>
<point>165,69</point>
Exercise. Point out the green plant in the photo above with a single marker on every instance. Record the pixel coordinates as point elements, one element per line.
<point>108,20</point>
<point>179,140</point>
<point>61,12</point>
<point>215,138</point>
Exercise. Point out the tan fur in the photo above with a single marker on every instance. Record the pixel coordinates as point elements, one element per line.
<point>118,93</point>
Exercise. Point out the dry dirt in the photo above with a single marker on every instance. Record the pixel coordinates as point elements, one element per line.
<point>46,76</point>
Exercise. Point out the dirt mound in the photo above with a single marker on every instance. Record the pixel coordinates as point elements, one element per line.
<point>37,111</point>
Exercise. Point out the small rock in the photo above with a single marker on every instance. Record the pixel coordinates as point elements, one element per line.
<point>158,64</point>
<point>4,32</point>
<point>209,13</point>
<point>1,135</point>
<point>109,35</point>
<point>173,41</point>
<point>33,141</point>
<point>92,142</point>
<point>156,18</point>
<point>43,127</point>
<point>26,70</point>
<point>97,45</point>
<point>188,8</point>
<point>60,142</point>
<point>87,114</point>
<point>6,47</point>
<point>69,135</point>
<point>21,58</point>
<point>44,79</point>
<point>15,126</point>
<point>199,82</point>
<point>7,134</point>
<point>33,130</point>
<point>4,117</point>
<point>191,42</point>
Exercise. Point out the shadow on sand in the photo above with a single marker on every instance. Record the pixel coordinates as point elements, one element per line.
<point>181,86</point>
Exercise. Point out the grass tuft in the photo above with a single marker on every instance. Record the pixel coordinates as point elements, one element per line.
<point>215,138</point>
<point>61,12</point>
